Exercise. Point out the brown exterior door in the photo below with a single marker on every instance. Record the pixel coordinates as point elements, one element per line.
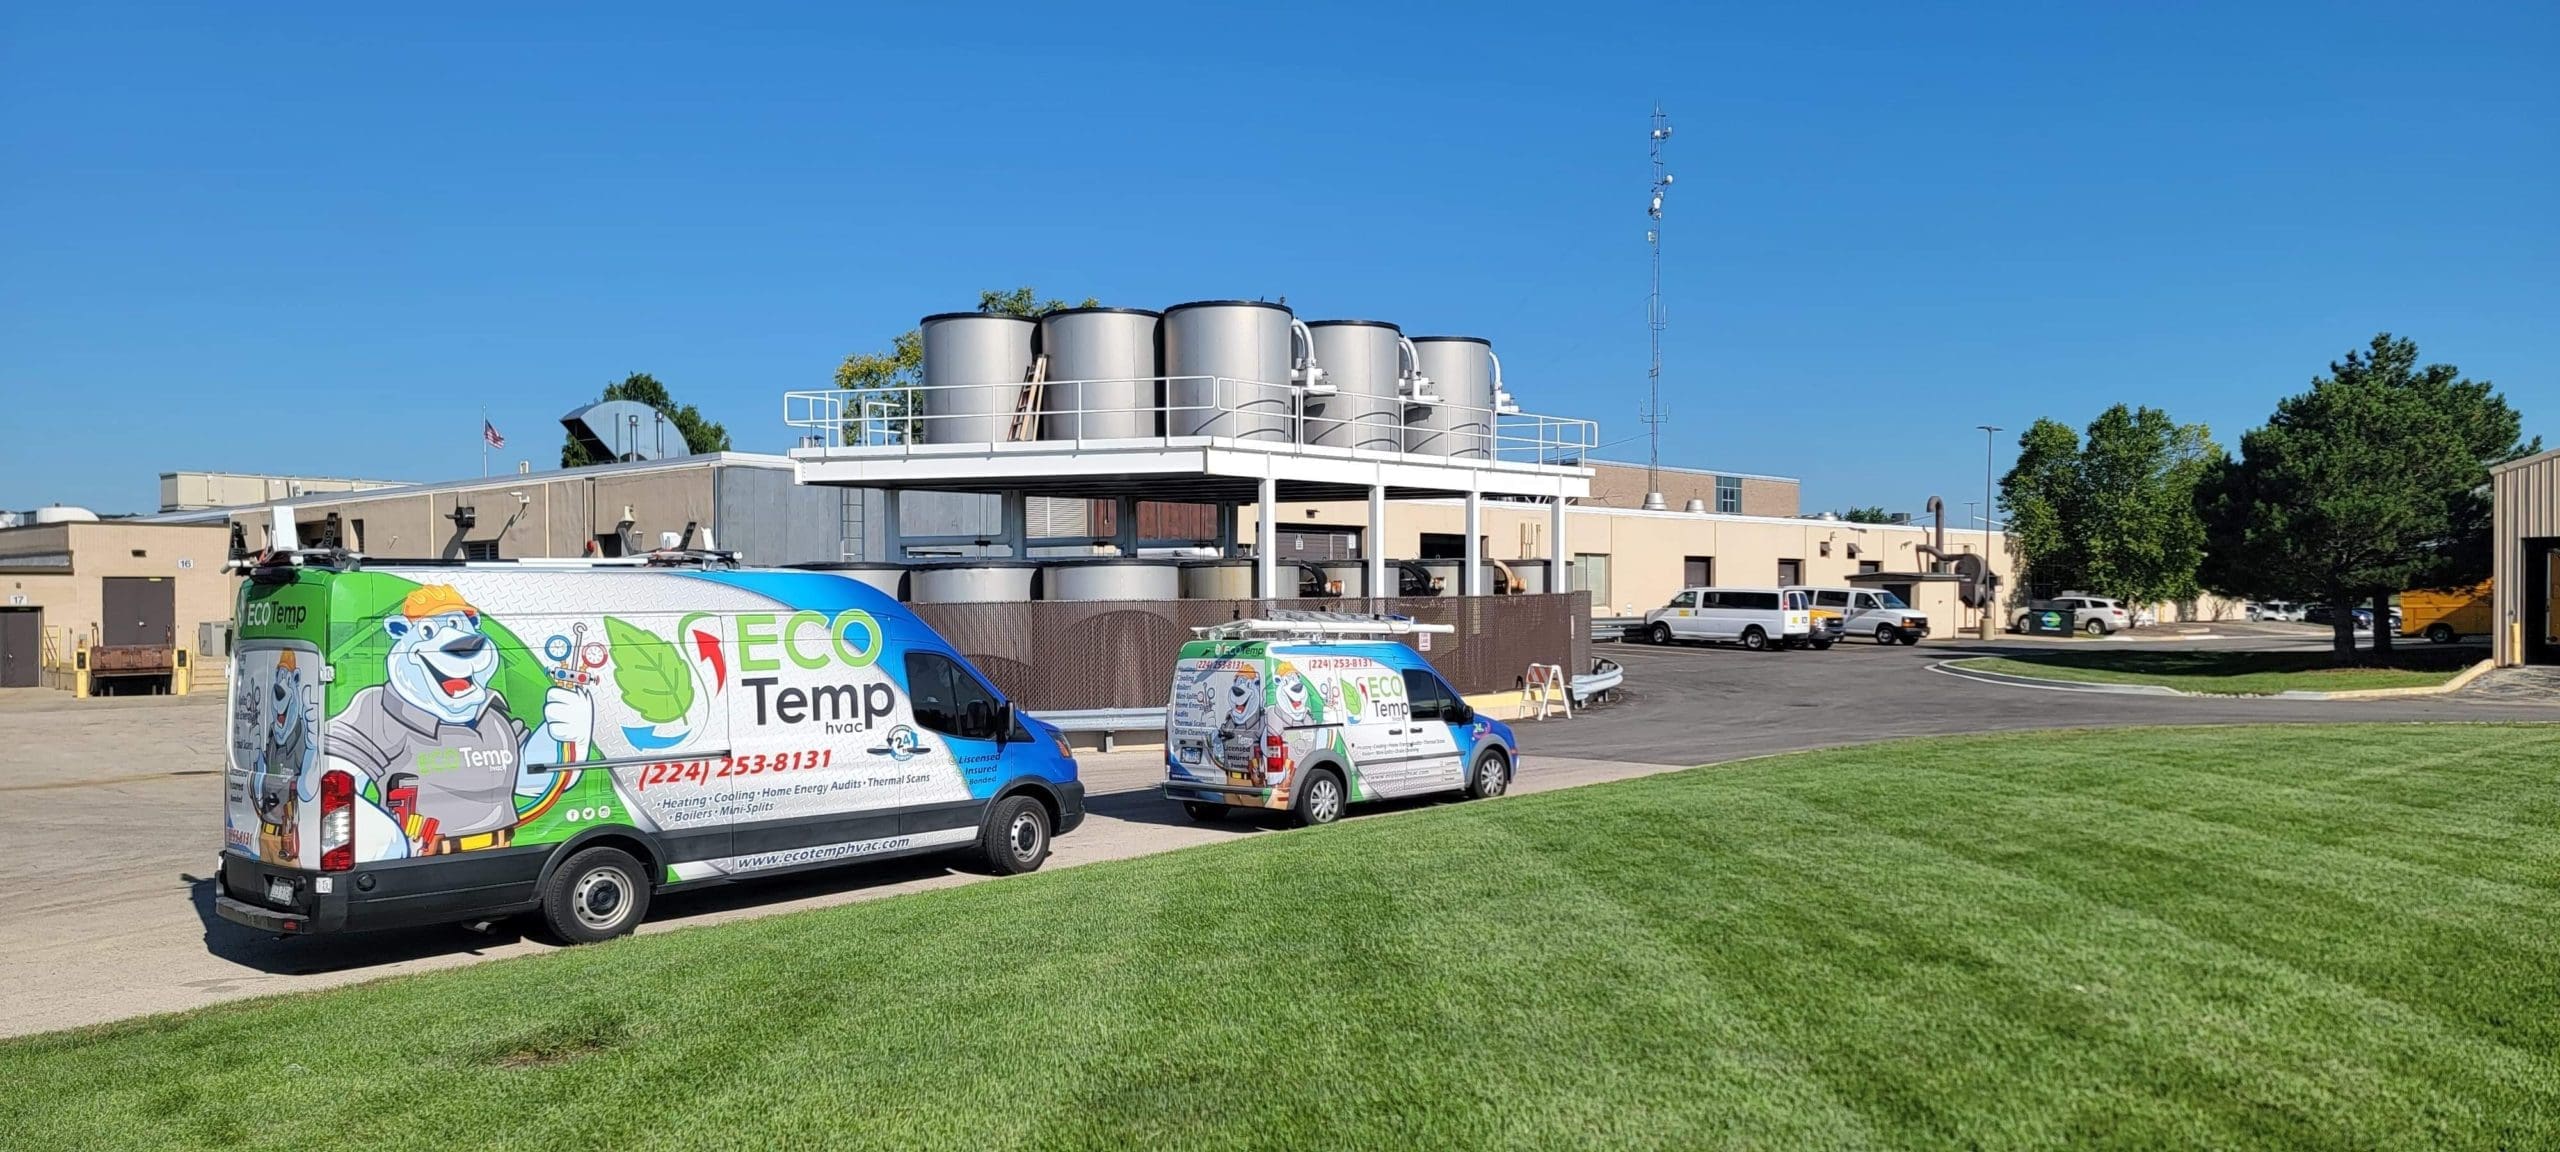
<point>21,639</point>
<point>138,610</point>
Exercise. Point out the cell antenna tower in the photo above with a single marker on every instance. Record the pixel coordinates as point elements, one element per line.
<point>1654,416</point>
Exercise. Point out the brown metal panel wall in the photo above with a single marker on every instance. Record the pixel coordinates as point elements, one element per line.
<point>2528,506</point>
<point>1073,655</point>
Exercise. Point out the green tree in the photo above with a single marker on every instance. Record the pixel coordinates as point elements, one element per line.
<point>700,435</point>
<point>2114,512</point>
<point>2373,481</point>
<point>1871,514</point>
<point>884,383</point>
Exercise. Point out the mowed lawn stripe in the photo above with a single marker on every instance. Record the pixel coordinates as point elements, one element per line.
<point>2044,940</point>
<point>2459,947</point>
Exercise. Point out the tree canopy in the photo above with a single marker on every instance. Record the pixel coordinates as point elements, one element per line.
<point>890,378</point>
<point>700,435</point>
<point>2113,513</point>
<point>2374,481</point>
<point>1871,514</point>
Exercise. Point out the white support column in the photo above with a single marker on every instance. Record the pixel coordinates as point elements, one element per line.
<point>893,532</point>
<point>1266,540</point>
<point>1474,582</point>
<point>1558,553</point>
<point>1374,547</point>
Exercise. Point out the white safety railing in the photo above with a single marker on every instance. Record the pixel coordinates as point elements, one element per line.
<point>1164,409</point>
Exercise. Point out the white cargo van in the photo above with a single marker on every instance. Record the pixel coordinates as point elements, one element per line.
<point>1756,618</point>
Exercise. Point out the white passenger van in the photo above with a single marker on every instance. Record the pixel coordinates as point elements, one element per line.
<point>1873,612</point>
<point>1756,618</point>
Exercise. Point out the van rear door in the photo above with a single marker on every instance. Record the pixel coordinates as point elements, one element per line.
<point>269,805</point>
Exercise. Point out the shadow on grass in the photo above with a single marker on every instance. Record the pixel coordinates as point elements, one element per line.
<point>2196,663</point>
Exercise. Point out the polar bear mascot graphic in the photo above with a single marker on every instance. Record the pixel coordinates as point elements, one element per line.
<point>446,753</point>
<point>1240,727</point>
<point>284,758</point>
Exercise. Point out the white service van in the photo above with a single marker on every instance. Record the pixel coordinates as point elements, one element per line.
<point>1873,612</point>
<point>1756,618</point>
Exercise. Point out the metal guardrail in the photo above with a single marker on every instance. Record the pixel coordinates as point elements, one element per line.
<point>1110,722</point>
<point>1605,677</point>
<point>1249,411</point>
<point>1612,629</point>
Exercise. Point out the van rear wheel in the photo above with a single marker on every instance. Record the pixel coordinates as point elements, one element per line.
<point>1203,811</point>
<point>1320,799</point>
<point>597,894</point>
<point>1755,639</point>
<point>1016,838</point>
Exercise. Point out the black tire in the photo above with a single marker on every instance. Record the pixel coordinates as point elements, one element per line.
<point>1203,812</point>
<point>598,894</point>
<point>1885,634</point>
<point>1492,776</point>
<point>1660,633</point>
<point>1321,798</point>
<point>1016,838</point>
<point>2441,634</point>
<point>1822,645</point>
<point>2095,628</point>
<point>1755,639</point>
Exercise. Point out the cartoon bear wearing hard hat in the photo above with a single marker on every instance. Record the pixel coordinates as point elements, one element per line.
<point>445,750</point>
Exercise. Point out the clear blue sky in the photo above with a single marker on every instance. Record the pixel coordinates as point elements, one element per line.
<point>321,238</point>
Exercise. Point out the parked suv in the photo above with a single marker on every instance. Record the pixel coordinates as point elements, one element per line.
<point>2095,615</point>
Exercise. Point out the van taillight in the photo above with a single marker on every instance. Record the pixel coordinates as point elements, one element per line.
<point>337,822</point>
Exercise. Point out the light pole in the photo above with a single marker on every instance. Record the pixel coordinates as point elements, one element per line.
<point>1990,454</point>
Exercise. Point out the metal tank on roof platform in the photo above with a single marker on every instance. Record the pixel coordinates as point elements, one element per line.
<point>1228,366</point>
<point>975,367</point>
<point>1461,425</point>
<point>1364,359</point>
<point>1102,374</point>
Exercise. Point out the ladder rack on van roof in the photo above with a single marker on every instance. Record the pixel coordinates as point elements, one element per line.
<point>1293,624</point>
<point>342,560</point>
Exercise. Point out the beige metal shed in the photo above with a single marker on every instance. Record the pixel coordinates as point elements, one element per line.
<point>2526,540</point>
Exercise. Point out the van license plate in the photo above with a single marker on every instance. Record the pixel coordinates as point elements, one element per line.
<point>279,890</point>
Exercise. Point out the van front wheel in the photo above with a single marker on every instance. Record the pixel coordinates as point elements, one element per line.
<point>597,894</point>
<point>1492,776</point>
<point>1660,633</point>
<point>1016,839</point>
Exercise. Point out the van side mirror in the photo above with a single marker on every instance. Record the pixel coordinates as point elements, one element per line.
<point>1008,722</point>
<point>1458,712</point>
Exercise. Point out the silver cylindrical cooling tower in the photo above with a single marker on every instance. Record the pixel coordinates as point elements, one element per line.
<point>971,582</point>
<point>1227,369</point>
<point>1111,579</point>
<point>1461,425</point>
<point>975,364</point>
<point>1102,375</point>
<point>1364,359</point>
<point>1217,579</point>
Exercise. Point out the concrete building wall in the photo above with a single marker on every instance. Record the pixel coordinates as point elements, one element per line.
<point>59,569</point>
<point>1648,552</point>
<point>1617,485</point>
<point>184,491</point>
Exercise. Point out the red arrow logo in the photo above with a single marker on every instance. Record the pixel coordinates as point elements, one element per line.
<point>709,646</point>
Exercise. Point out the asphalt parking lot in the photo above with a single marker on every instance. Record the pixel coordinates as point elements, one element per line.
<point>110,811</point>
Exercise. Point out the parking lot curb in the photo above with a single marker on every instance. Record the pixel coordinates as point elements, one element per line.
<point>1950,668</point>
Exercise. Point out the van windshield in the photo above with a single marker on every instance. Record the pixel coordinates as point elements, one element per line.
<point>1890,600</point>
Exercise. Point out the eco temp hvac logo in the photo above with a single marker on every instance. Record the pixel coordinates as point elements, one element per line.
<point>672,685</point>
<point>903,745</point>
<point>430,761</point>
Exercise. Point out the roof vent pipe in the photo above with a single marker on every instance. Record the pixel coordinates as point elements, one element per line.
<point>1417,387</point>
<point>1936,549</point>
<point>1653,502</point>
<point>1503,404</point>
<point>1303,369</point>
<point>1695,505</point>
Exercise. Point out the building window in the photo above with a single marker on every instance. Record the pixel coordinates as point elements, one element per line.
<point>1866,566</point>
<point>479,549</point>
<point>1790,572</point>
<point>355,535</point>
<point>1591,574</point>
<point>1697,571</point>
<point>1728,494</point>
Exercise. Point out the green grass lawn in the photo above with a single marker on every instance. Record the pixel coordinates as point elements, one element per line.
<point>2275,937</point>
<point>2236,673</point>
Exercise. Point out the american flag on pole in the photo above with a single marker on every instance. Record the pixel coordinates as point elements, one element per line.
<point>489,432</point>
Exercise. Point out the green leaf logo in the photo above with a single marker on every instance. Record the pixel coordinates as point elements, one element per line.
<point>650,672</point>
